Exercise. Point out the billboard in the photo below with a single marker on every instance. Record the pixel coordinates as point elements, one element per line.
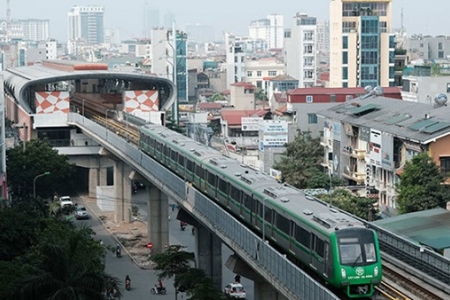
<point>250,124</point>
<point>274,127</point>
<point>387,151</point>
<point>141,101</point>
<point>375,147</point>
<point>52,102</point>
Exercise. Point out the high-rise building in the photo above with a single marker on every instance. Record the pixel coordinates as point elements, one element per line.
<point>235,60</point>
<point>361,45</point>
<point>86,24</point>
<point>271,29</point>
<point>323,36</point>
<point>301,50</point>
<point>27,29</point>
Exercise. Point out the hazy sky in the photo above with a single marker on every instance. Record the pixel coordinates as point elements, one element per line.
<point>231,15</point>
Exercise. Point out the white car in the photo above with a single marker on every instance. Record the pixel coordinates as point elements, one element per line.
<point>65,201</point>
<point>235,290</point>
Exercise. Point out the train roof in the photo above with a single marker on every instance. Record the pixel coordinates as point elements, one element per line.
<point>287,198</point>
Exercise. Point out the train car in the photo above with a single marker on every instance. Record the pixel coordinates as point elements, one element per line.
<point>334,245</point>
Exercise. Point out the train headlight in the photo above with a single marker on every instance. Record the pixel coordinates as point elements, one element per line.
<point>375,271</point>
<point>343,273</point>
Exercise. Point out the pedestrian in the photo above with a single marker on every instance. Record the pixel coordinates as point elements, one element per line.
<point>237,278</point>
<point>174,205</point>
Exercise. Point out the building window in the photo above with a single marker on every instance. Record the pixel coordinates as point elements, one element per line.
<point>272,73</point>
<point>309,99</point>
<point>308,36</point>
<point>345,42</point>
<point>259,84</point>
<point>258,73</point>
<point>344,73</point>
<point>344,57</point>
<point>345,84</point>
<point>312,119</point>
<point>448,87</point>
<point>249,73</point>
<point>445,164</point>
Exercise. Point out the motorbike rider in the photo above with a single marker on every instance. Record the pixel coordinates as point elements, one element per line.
<point>182,225</point>
<point>160,286</point>
<point>127,282</point>
<point>118,250</point>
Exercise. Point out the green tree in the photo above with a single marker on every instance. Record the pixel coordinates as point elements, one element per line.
<point>319,179</point>
<point>301,160</point>
<point>260,94</point>
<point>217,97</point>
<point>420,185</point>
<point>39,157</point>
<point>361,207</point>
<point>51,259</point>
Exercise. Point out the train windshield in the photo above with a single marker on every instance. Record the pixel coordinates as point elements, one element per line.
<point>358,249</point>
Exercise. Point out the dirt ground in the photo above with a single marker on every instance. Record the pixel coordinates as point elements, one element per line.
<point>132,236</point>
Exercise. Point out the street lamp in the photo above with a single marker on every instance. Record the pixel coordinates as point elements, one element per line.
<point>34,182</point>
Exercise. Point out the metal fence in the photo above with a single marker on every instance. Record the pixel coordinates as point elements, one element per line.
<point>286,277</point>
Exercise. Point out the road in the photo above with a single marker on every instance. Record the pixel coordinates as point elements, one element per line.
<point>143,280</point>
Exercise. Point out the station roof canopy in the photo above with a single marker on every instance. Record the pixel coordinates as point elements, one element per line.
<point>429,227</point>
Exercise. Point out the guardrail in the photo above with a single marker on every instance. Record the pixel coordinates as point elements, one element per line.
<point>286,277</point>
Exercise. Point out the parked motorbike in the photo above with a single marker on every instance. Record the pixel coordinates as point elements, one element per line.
<point>156,290</point>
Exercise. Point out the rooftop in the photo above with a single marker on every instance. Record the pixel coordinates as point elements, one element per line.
<point>417,122</point>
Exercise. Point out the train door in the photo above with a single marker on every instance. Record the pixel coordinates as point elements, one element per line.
<point>317,253</point>
<point>328,263</point>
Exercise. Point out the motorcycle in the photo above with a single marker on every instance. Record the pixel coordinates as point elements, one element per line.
<point>118,253</point>
<point>156,290</point>
<point>182,226</point>
<point>128,285</point>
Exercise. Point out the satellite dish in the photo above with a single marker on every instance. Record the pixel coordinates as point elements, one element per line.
<point>378,91</point>
<point>441,99</point>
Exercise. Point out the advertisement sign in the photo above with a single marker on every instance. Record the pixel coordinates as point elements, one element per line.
<point>387,151</point>
<point>275,174</point>
<point>274,127</point>
<point>275,141</point>
<point>250,124</point>
<point>375,148</point>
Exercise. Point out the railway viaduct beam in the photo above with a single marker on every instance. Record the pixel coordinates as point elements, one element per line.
<point>122,188</point>
<point>158,218</point>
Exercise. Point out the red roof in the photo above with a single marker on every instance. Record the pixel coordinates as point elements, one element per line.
<point>339,91</point>
<point>208,105</point>
<point>233,117</point>
<point>280,97</point>
<point>244,84</point>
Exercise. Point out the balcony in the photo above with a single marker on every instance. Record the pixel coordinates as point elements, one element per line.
<point>358,177</point>
<point>355,153</point>
<point>327,143</point>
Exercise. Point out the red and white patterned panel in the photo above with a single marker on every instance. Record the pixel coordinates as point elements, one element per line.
<point>52,102</point>
<point>143,101</point>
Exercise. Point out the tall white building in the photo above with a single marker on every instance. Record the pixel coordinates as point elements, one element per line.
<point>271,29</point>
<point>235,60</point>
<point>27,29</point>
<point>361,43</point>
<point>301,50</point>
<point>86,24</point>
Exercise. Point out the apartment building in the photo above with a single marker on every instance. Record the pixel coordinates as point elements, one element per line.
<point>269,29</point>
<point>301,50</point>
<point>361,43</point>
<point>260,71</point>
<point>368,140</point>
<point>86,24</point>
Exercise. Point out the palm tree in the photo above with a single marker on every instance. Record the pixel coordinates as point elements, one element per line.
<point>70,267</point>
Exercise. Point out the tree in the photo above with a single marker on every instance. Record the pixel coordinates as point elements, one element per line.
<point>420,185</point>
<point>301,160</point>
<point>321,180</point>
<point>39,157</point>
<point>260,94</point>
<point>51,259</point>
<point>361,207</point>
<point>217,97</point>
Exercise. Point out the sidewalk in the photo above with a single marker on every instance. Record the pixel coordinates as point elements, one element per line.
<point>131,236</point>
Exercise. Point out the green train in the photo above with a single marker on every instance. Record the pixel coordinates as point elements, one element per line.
<point>335,246</point>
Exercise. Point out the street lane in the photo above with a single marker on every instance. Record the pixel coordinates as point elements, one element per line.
<point>185,238</point>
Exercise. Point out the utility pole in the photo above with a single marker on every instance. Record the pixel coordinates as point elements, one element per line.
<point>175,74</point>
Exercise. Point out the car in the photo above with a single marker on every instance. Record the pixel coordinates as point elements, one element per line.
<point>235,290</point>
<point>65,201</point>
<point>81,213</point>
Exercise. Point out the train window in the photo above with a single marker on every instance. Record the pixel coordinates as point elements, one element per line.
<point>152,142</point>
<point>212,179</point>
<point>282,223</point>
<point>370,252</point>
<point>173,155</point>
<point>302,236</point>
<point>258,208</point>
<point>235,194</point>
<point>318,246</point>
<point>199,171</point>
<point>181,160</point>
<point>268,214</point>
<point>223,186</point>
<point>158,146</point>
<point>248,201</point>
<point>189,165</point>
<point>166,151</point>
